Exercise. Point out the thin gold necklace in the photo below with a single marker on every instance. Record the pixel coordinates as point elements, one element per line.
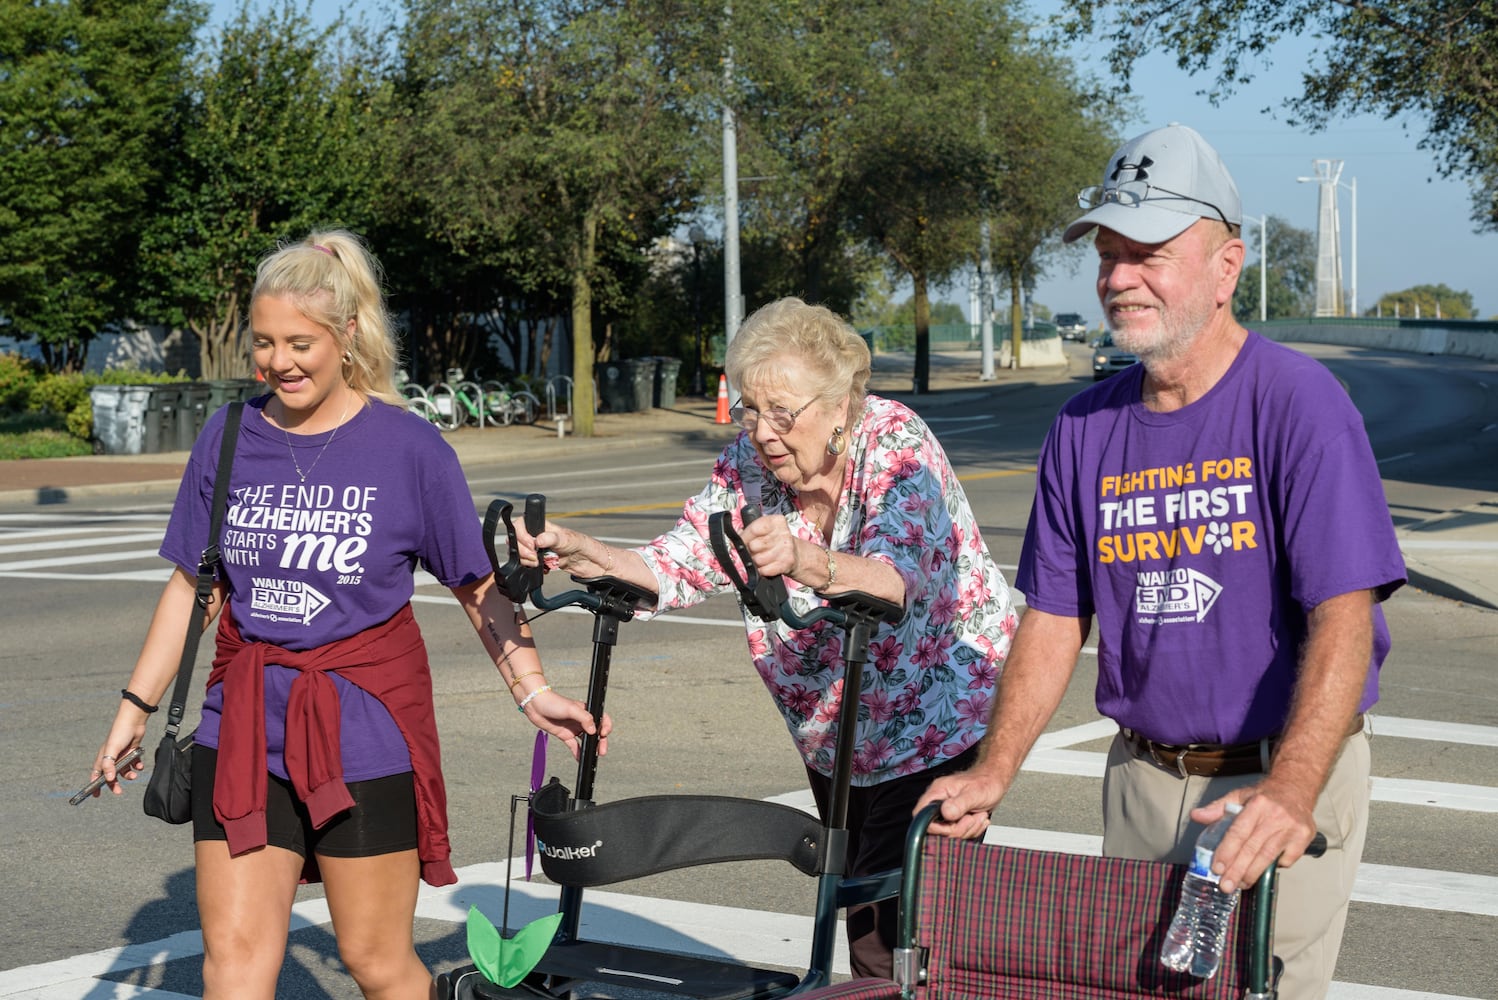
<point>289,447</point>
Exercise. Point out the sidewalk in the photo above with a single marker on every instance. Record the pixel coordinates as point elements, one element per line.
<point>1453,554</point>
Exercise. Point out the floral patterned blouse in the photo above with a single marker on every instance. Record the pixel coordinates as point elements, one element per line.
<point>929,683</point>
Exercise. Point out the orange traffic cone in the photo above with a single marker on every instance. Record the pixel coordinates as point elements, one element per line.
<point>723,400</point>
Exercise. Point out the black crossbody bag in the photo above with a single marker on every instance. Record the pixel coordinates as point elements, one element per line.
<point>169,791</point>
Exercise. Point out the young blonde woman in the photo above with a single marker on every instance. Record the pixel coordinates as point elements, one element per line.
<point>317,755</point>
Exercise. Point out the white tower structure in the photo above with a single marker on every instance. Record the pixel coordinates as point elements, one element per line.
<point>1328,238</point>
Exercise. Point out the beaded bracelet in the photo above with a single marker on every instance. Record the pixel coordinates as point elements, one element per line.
<point>528,698</point>
<point>831,573</point>
<point>137,701</point>
<point>517,680</point>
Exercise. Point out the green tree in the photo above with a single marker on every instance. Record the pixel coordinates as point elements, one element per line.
<point>1437,58</point>
<point>1427,301</point>
<point>268,148</point>
<point>923,158</point>
<point>85,96</point>
<point>1054,139</point>
<point>552,137</point>
<point>1290,284</point>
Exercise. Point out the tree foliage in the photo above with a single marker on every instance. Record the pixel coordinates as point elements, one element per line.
<point>85,97</point>
<point>1290,283</point>
<point>551,136</point>
<point>1437,59</point>
<point>267,149</point>
<point>1427,301</point>
<point>889,129</point>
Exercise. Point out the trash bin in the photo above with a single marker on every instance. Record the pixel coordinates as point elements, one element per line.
<point>228,390</point>
<point>868,339</point>
<point>193,407</point>
<point>625,385</point>
<point>664,388</point>
<point>615,390</point>
<point>163,403</point>
<point>120,417</point>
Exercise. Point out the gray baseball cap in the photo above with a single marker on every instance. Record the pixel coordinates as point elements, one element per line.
<point>1156,186</point>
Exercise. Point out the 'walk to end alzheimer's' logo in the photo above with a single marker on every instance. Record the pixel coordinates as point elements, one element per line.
<point>1174,595</point>
<point>285,600</point>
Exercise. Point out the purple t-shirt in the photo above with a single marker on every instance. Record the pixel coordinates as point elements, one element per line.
<point>1201,538</point>
<point>311,563</point>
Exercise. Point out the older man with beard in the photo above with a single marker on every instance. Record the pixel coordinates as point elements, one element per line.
<point>1217,509</point>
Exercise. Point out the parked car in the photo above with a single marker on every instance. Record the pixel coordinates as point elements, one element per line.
<point>1070,326</point>
<point>1107,359</point>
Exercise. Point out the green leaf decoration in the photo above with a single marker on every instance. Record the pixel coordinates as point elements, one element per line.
<point>506,961</point>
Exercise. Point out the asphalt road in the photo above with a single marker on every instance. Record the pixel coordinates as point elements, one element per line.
<point>691,716</point>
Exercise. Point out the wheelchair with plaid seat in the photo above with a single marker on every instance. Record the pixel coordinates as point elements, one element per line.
<point>1002,922</point>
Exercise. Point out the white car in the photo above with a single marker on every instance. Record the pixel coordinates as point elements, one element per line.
<point>1070,326</point>
<point>1107,359</point>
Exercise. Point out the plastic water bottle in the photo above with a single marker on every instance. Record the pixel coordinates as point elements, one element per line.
<point>1194,942</point>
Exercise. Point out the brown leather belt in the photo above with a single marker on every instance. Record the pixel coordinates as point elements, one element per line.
<point>1206,760</point>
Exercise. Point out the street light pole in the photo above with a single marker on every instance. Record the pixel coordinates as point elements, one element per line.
<point>698,237</point>
<point>1263,221</point>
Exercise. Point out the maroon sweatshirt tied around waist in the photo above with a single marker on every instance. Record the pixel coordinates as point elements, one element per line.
<point>389,662</point>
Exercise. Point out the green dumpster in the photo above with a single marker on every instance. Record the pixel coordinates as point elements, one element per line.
<point>193,407</point>
<point>663,392</point>
<point>625,385</point>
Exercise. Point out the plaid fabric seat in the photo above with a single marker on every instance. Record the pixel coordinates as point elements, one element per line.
<point>1000,922</point>
<point>1004,922</point>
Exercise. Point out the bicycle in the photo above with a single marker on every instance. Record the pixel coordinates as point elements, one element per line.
<point>419,402</point>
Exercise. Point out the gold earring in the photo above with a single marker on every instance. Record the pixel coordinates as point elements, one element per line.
<point>837,442</point>
<point>348,358</point>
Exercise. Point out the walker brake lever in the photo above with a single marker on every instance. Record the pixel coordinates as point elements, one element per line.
<point>514,579</point>
<point>763,596</point>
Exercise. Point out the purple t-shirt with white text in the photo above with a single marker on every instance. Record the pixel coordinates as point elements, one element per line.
<point>311,563</point>
<point>1201,538</point>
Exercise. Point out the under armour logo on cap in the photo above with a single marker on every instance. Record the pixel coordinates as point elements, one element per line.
<point>1140,169</point>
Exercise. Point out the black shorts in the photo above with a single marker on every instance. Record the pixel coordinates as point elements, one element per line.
<point>382,820</point>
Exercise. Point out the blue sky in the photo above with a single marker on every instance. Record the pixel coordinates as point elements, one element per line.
<point>1413,225</point>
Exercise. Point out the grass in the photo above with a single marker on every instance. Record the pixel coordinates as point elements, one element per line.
<point>37,435</point>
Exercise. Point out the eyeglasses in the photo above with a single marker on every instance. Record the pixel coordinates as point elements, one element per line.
<point>778,417</point>
<point>1132,194</point>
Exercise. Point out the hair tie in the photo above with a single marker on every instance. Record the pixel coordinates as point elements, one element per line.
<point>318,246</point>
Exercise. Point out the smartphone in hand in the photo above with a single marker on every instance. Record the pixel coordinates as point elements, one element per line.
<point>130,757</point>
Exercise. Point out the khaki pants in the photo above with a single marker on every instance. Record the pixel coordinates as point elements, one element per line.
<point>1146,815</point>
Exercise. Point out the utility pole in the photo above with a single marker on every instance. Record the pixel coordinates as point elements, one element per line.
<point>733,296</point>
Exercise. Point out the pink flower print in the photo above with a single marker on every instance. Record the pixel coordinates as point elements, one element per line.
<point>889,422</point>
<point>910,765</point>
<point>928,744</point>
<point>917,503</point>
<point>798,700</point>
<point>878,704</point>
<point>872,755</point>
<point>973,710</point>
<point>902,463</point>
<point>886,653</point>
<point>983,672</point>
<point>944,608</point>
<point>759,643</point>
<point>818,740</point>
<point>909,699</point>
<point>831,702</point>
<point>931,650</point>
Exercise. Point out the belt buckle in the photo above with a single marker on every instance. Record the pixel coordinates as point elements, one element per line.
<point>1175,762</point>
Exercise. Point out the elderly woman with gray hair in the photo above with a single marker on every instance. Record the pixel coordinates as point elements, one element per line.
<point>857,495</point>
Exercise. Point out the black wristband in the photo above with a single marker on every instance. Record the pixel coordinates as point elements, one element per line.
<point>137,701</point>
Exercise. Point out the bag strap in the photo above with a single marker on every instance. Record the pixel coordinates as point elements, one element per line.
<point>208,564</point>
